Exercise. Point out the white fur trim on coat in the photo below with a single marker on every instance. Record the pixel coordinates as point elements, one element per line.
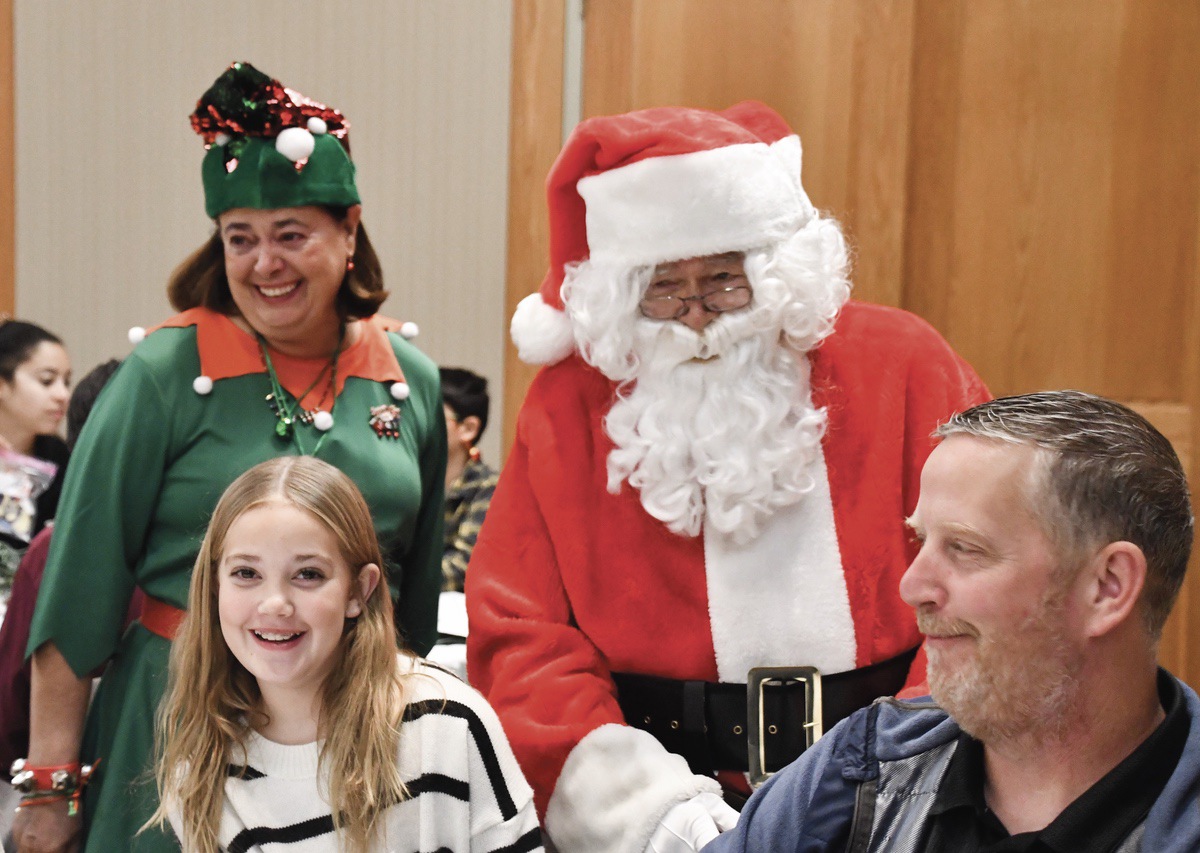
<point>542,333</point>
<point>614,788</point>
<point>781,600</point>
<point>688,205</point>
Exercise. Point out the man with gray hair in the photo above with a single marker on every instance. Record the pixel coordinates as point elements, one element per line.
<point>1055,530</point>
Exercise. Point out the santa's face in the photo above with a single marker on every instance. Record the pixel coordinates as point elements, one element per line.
<point>695,291</point>
<point>714,424</point>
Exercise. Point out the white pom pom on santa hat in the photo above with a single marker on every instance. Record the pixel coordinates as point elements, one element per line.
<point>541,332</point>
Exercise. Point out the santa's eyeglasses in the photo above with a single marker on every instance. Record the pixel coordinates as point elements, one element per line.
<point>716,302</point>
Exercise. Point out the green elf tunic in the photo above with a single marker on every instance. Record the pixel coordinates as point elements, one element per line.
<point>157,453</point>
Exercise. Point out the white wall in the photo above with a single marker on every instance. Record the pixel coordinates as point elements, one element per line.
<point>108,170</point>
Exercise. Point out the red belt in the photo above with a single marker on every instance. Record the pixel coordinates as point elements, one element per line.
<point>161,618</point>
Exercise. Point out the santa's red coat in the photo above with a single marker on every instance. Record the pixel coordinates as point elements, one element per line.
<point>569,582</point>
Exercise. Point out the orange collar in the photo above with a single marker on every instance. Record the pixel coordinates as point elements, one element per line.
<point>227,351</point>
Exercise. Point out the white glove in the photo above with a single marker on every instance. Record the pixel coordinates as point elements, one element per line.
<point>689,825</point>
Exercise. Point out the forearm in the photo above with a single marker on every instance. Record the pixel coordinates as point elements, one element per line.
<point>58,704</point>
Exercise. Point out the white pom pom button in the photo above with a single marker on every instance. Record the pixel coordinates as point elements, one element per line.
<point>409,330</point>
<point>136,335</point>
<point>323,421</point>
<point>222,139</point>
<point>400,390</point>
<point>202,385</point>
<point>317,126</point>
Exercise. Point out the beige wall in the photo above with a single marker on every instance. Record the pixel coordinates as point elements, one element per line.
<point>108,195</point>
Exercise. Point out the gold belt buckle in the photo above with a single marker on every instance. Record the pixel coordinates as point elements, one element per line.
<point>756,680</point>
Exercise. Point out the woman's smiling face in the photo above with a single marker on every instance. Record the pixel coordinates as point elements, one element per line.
<point>285,268</point>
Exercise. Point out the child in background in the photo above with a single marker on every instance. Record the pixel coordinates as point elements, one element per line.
<point>290,719</point>
<point>35,382</point>
<point>469,480</point>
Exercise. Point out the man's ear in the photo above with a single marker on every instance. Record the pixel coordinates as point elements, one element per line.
<point>368,579</point>
<point>1116,576</point>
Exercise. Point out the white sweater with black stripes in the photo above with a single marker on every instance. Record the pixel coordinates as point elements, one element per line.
<point>467,794</point>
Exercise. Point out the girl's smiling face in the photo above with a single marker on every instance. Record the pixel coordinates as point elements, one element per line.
<point>284,593</point>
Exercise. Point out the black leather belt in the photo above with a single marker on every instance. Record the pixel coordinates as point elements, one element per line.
<point>719,726</point>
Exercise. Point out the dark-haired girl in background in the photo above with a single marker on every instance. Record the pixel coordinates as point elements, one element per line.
<point>35,381</point>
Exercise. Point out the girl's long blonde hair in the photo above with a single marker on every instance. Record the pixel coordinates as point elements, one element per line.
<point>212,701</point>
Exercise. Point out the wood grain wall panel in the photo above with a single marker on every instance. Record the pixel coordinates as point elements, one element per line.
<point>839,72</point>
<point>1181,639</point>
<point>609,30</point>
<point>1022,235</point>
<point>535,136</point>
<point>8,262</point>
<point>1155,176</point>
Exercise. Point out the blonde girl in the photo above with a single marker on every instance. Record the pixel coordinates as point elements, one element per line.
<point>289,717</point>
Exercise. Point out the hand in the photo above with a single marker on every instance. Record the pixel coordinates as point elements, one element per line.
<point>689,825</point>
<point>46,829</point>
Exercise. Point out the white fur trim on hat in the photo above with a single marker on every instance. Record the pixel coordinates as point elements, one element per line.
<point>687,205</point>
<point>541,332</point>
<point>614,788</point>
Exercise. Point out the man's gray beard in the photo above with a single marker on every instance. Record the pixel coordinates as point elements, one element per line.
<point>725,441</point>
<point>1019,686</point>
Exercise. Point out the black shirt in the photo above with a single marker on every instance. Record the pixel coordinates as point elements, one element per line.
<point>1098,821</point>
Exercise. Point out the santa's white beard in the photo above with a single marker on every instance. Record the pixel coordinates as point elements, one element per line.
<point>715,428</point>
<point>718,428</point>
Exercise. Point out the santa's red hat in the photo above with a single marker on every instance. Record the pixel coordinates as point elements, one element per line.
<point>661,185</point>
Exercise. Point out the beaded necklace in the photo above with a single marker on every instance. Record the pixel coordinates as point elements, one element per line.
<point>287,408</point>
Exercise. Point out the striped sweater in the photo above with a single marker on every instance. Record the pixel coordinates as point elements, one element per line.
<point>467,794</point>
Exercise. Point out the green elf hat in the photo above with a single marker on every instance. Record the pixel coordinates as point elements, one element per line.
<point>269,146</point>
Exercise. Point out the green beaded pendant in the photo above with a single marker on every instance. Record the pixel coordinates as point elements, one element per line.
<point>283,429</point>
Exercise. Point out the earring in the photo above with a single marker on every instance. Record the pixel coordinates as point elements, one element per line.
<point>474,453</point>
<point>353,609</point>
<point>349,264</point>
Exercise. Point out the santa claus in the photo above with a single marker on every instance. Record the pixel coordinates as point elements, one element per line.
<point>710,476</point>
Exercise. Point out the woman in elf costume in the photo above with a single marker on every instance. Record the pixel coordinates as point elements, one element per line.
<point>276,351</point>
